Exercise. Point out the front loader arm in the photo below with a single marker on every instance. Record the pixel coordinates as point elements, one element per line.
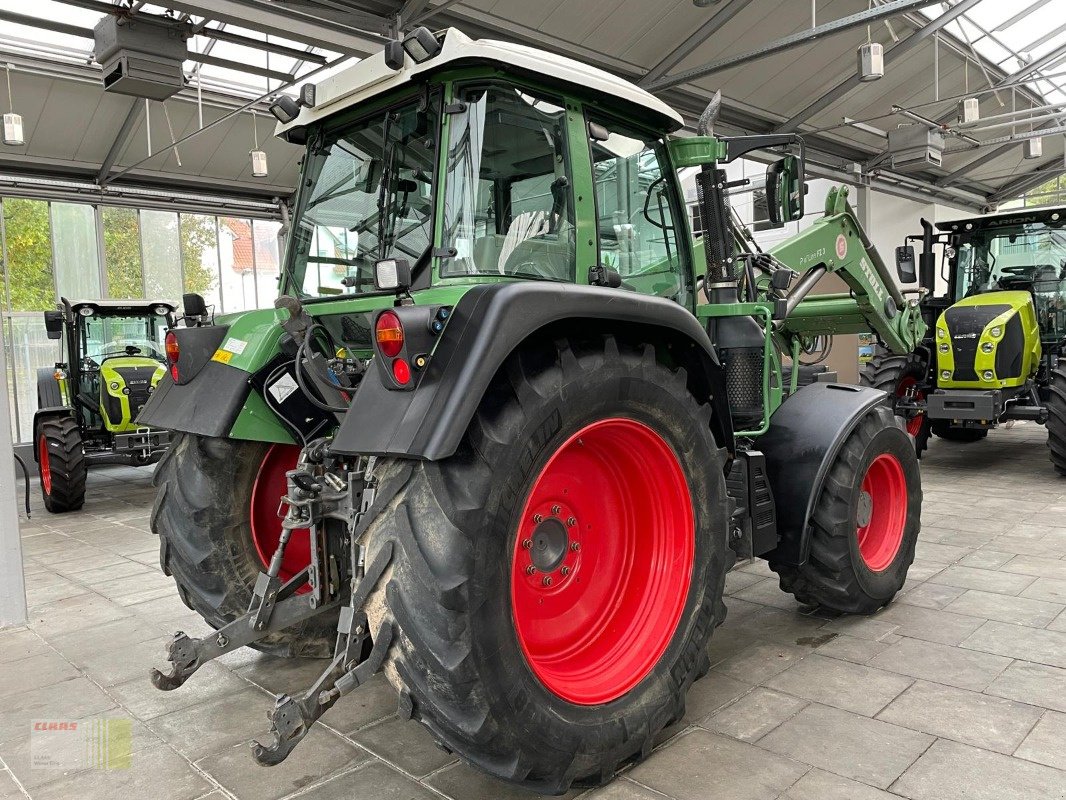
<point>838,244</point>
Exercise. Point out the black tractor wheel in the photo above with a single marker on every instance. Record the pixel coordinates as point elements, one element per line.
<point>1056,419</point>
<point>61,464</point>
<point>900,376</point>
<point>555,582</point>
<point>942,428</point>
<point>865,524</point>
<point>216,517</point>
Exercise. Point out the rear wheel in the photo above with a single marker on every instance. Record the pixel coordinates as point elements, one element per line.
<point>61,464</point>
<point>943,429</point>
<point>1056,419</point>
<point>866,522</point>
<point>556,580</point>
<point>216,517</point>
<point>900,376</point>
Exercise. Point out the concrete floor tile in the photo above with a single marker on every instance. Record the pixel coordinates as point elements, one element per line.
<point>986,559</point>
<point>820,785</point>
<point>712,692</point>
<point>372,702</point>
<point>841,684</point>
<point>1059,623</point>
<point>753,715</point>
<point>461,782</point>
<point>758,566</point>
<point>405,744</point>
<point>983,579</point>
<point>768,592</point>
<point>283,675</point>
<point>939,553</point>
<point>1018,610</point>
<point>111,667</point>
<point>701,764</point>
<point>9,790</point>
<point>1018,641</point>
<point>108,637</point>
<point>84,611</point>
<point>1054,591</point>
<point>952,771</point>
<point>618,789</point>
<point>968,717</point>
<point>19,643</point>
<point>929,624</point>
<point>159,773</point>
<point>73,699</point>
<point>1037,684</point>
<point>1037,567</point>
<point>216,725</point>
<point>761,661</point>
<point>924,570</point>
<point>146,702</point>
<point>375,781</point>
<point>860,748</point>
<point>93,564</point>
<point>930,595</point>
<point>736,580</point>
<point>941,664</point>
<point>790,627</point>
<point>849,648</point>
<point>863,627</point>
<point>35,672</point>
<point>1046,744</point>
<point>318,757</point>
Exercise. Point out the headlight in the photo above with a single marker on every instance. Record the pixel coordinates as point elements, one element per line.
<point>85,311</point>
<point>987,347</point>
<point>996,332</point>
<point>945,374</point>
<point>988,376</point>
<point>161,311</point>
<point>944,347</point>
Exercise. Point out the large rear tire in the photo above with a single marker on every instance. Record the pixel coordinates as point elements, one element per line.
<point>215,500</point>
<point>61,464</point>
<point>866,522</point>
<point>1056,419</point>
<point>555,582</point>
<point>900,375</point>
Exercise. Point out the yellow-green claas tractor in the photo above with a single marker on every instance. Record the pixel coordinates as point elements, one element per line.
<point>995,338</point>
<point>113,357</point>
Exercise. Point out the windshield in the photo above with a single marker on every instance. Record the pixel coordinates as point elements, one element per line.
<point>1029,257</point>
<point>110,336</point>
<point>367,194</point>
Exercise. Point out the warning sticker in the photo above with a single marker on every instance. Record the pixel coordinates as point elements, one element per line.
<point>223,356</point>
<point>235,346</point>
<point>282,387</point>
<point>842,246</point>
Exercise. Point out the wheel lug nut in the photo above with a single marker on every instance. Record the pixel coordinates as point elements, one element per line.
<point>538,518</point>
<point>547,580</point>
<point>575,546</point>
<point>556,510</point>
<point>565,571</point>
<point>527,543</point>
<point>530,569</point>
<point>571,521</point>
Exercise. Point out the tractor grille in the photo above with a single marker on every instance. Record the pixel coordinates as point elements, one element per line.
<point>138,380</point>
<point>965,325</point>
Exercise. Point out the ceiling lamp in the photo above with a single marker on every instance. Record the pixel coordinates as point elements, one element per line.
<point>13,135</point>
<point>970,110</point>
<point>259,158</point>
<point>1034,148</point>
<point>871,61</point>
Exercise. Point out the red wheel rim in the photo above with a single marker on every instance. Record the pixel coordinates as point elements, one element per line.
<point>267,492</point>
<point>914,424</point>
<point>45,464</point>
<point>882,512</point>
<point>602,561</point>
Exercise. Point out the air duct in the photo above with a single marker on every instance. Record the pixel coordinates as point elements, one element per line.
<point>140,56</point>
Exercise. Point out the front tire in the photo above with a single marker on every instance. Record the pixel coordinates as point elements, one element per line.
<point>1056,419</point>
<point>900,375</point>
<point>546,684</point>
<point>61,464</point>
<point>866,522</point>
<point>215,503</point>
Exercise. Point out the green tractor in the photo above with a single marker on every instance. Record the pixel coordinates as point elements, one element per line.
<point>520,421</point>
<point>993,350</point>
<point>87,404</point>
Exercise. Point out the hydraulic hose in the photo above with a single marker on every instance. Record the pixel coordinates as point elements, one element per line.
<point>25,481</point>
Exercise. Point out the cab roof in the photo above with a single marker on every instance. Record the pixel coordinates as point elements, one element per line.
<point>371,77</point>
<point>128,306</point>
<point>1018,217</point>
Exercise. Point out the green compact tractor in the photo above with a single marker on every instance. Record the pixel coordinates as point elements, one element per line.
<point>87,405</point>
<point>995,339</point>
<point>519,420</point>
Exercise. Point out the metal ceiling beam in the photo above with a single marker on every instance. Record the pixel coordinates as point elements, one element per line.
<point>1043,173</point>
<point>432,12</point>
<point>853,82</point>
<point>992,155</point>
<point>355,35</point>
<point>132,117</point>
<point>46,24</point>
<point>875,14</point>
<point>698,37</point>
<point>411,9</point>
<point>240,66</point>
<point>259,44</point>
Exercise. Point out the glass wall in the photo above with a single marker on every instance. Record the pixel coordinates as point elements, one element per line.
<point>79,251</point>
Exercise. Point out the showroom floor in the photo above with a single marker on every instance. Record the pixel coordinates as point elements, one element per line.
<point>958,690</point>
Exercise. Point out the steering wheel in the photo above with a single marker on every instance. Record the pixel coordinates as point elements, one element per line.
<point>1017,270</point>
<point>132,351</point>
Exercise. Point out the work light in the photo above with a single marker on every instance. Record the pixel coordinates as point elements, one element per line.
<point>421,44</point>
<point>392,273</point>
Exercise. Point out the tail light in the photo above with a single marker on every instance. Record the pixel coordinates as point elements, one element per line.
<point>388,333</point>
<point>401,371</point>
<point>173,353</point>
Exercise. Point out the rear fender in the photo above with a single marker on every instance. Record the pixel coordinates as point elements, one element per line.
<point>487,324</point>
<point>56,412</point>
<point>805,436</point>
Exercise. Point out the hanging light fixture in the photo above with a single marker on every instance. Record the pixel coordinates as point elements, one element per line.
<point>259,158</point>
<point>871,57</point>
<point>13,135</point>
<point>970,107</point>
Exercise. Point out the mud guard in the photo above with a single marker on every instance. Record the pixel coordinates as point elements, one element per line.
<point>805,436</point>
<point>43,413</point>
<point>485,326</point>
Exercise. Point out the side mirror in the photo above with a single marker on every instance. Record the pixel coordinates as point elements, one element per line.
<point>905,264</point>
<point>194,307</point>
<point>785,190</point>
<point>53,324</point>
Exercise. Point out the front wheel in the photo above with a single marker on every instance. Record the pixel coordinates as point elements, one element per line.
<point>555,582</point>
<point>866,522</point>
<point>61,464</point>
<point>1056,418</point>
<point>901,376</point>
